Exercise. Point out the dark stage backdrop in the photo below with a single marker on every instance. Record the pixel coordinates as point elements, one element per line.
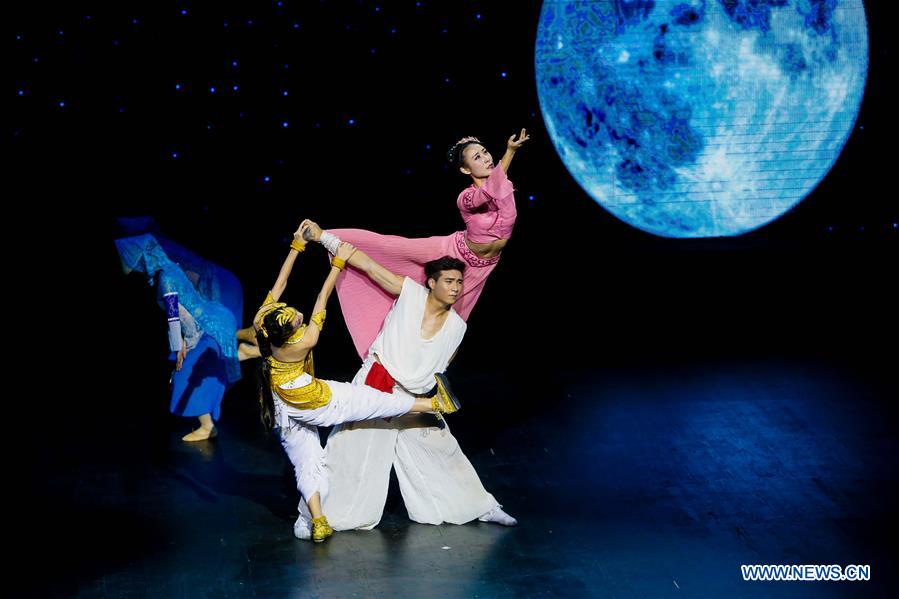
<point>342,112</point>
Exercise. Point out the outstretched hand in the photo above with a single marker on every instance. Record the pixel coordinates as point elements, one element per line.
<point>513,144</point>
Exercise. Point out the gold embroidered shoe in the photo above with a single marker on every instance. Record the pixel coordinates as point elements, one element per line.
<point>445,401</point>
<point>321,530</point>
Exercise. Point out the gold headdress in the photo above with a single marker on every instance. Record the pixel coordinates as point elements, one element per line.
<point>285,315</point>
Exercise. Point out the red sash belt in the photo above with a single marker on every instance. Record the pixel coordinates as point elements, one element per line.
<point>378,378</point>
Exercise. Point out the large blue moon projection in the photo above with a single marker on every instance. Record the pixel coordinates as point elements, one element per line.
<point>700,118</point>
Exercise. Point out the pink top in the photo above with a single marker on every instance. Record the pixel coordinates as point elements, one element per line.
<point>489,210</point>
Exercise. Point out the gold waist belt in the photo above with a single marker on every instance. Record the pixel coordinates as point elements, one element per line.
<point>308,397</point>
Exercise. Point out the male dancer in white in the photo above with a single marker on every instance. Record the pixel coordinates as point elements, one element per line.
<point>419,338</point>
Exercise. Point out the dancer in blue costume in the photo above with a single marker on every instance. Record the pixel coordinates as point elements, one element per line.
<point>207,363</point>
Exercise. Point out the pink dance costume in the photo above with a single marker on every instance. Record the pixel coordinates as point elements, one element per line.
<point>489,214</point>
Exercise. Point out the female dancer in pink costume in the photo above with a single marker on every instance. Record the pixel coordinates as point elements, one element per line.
<point>488,209</point>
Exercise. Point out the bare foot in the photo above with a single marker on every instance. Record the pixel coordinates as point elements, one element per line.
<point>200,434</point>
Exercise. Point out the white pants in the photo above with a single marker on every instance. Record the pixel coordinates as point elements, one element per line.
<point>299,428</point>
<point>437,481</point>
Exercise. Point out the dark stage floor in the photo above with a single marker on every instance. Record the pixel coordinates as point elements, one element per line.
<point>631,482</point>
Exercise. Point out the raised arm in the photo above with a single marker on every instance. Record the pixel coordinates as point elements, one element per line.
<point>296,246</point>
<point>284,274</point>
<point>344,254</point>
<point>388,281</point>
<point>511,147</point>
<point>496,186</point>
